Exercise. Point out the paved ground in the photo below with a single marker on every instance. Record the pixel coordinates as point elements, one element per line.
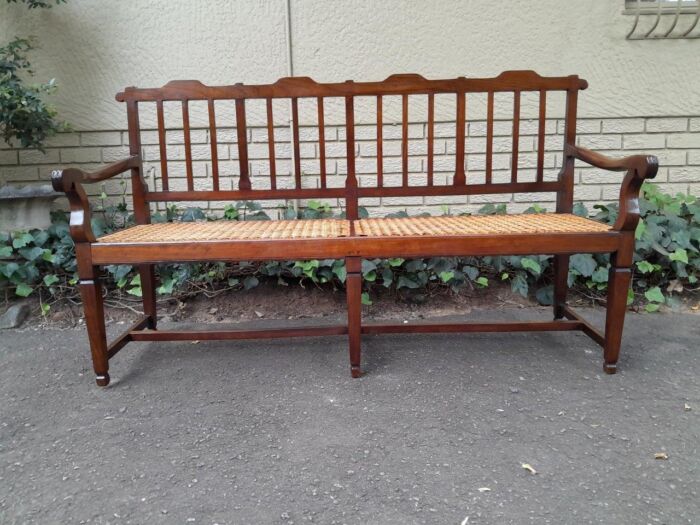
<point>277,432</point>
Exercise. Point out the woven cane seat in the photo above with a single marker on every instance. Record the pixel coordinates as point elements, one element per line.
<point>478,225</point>
<point>229,231</point>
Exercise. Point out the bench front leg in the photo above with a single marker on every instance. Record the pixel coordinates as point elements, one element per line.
<point>619,278</point>
<point>353,283</point>
<point>93,308</point>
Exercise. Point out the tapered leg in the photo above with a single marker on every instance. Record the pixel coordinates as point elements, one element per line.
<point>618,284</point>
<point>91,292</point>
<point>148,290</point>
<point>354,295</point>
<point>561,274</point>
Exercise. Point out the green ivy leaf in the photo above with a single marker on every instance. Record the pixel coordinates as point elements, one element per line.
<point>679,255</point>
<point>406,282</point>
<point>482,281</point>
<point>545,295</point>
<point>23,290</point>
<point>166,285</point>
<point>340,271</point>
<point>40,237</point>
<point>5,251</point>
<point>580,210</point>
<point>645,266</point>
<point>192,215</point>
<point>365,299</point>
<point>471,272</point>
<point>583,263</point>
<point>531,264</point>
<point>414,265</point>
<point>639,231</point>
<point>654,295</point>
<point>651,307</point>
<point>250,282</point>
<point>31,254</point>
<point>446,276</point>
<point>20,240</point>
<point>8,269</point>
<point>135,290</point>
<point>398,261</point>
<point>50,279</point>
<point>600,275</point>
<point>519,284</point>
<point>368,266</point>
<point>387,277</point>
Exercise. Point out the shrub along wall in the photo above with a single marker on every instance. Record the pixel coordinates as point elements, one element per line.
<point>41,263</point>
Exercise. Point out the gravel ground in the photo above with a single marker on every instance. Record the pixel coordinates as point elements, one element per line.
<point>437,431</point>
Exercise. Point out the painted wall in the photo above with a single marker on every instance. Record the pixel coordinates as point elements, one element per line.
<point>94,48</point>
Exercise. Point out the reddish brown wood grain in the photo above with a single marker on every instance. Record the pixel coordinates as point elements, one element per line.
<point>619,241</point>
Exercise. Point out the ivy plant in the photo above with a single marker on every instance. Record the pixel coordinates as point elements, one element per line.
<point>667,258</point>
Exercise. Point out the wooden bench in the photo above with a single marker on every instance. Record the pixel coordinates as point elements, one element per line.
<point>353,238</point>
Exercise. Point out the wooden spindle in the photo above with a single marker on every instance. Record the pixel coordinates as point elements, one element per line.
<point>516,136</point>
<point>321,140</point>
<point>271,145</point>
<point>242,139</point>
<point>404,140</point>
<point>431,137</point>
<point>460,177</point>
<point>163,146</point>
<point>380,144</point>
<point>351,204</point>
<point>540,135</point>
<point>295,139</point>
<point>489,139</point>
<point>188,144</point>
<point>214,145</point>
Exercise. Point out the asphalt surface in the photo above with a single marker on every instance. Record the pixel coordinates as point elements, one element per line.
<point>277,432</point>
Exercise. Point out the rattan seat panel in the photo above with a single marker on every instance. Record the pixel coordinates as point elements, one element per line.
<point>230,231</point>
<point>478,225</point>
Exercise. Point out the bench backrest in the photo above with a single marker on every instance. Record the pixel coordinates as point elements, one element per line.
<point>183,93</point>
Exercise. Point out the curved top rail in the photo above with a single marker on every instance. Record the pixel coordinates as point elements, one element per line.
<point>291,87</point>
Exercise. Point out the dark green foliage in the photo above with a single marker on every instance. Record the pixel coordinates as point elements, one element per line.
<point>34,4</point>
<point>24,115</point>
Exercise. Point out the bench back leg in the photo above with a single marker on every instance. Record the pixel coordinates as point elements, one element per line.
<point>561,274</point>
<point>353,285</point>
<point>618,284</point>
<point>91,292</point>
<point>148,290</point>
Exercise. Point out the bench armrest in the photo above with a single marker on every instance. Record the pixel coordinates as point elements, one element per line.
<point>638,167</point>
<point>70,181</point>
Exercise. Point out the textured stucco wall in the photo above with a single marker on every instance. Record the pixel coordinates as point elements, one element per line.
<point>95,48</point>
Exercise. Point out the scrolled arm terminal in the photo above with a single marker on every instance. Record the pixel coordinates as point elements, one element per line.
<point>70,181</point>
<point>638,167</point>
